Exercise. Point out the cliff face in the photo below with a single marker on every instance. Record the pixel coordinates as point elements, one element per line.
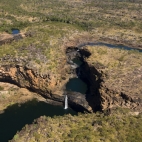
<point>25,77</point>
<point>105,97</point>
<point>114,82</point>
<point>46,85</point>
<point>113,77</point>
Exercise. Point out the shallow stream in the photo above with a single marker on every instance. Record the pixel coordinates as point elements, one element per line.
<point>109,45</point>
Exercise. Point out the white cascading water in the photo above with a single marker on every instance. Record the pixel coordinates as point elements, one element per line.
<point>66,102</point>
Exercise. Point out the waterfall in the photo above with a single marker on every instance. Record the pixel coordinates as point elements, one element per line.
<point>66,102</point>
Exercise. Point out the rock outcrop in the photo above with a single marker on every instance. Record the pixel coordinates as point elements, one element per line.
<point>115,81</point>
<point>116,86</point>
<point>102,96</point>
<point>46,85</point>
<point>112,82</point>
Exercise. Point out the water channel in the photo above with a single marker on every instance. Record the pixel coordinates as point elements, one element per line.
<point>109,45</point>
<point>76,84</point>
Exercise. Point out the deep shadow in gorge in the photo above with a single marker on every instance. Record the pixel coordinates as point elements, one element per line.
<point>87,74</point>
<point>92,95</point>
<point>15,117</point>
<point>93,80</point>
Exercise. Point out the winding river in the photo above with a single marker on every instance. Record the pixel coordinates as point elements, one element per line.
<point>109,45</point>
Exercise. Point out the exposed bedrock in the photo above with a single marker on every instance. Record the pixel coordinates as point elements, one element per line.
<point>92,96</point>
<point>101,96</point>
<point>24,77</point>
<point>45,85</point>
<point>104,96</point>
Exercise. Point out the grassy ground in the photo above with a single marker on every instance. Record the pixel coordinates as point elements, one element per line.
<point>114,58</point>
<point>88,14</point>
<point>53,25</point>
<point>44,49</point>
<point>121,68</point>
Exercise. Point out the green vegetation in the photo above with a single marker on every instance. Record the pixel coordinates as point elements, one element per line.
<point>44,48</point>
<point>87,14</point>
<point>114,58</point>
<point>51,24</point>
<point>118,66</point>
<point>121,125</point>
<point>54,22</point>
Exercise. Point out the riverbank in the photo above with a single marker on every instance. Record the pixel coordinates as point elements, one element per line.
<point>113,75</point>
<point>19,107</point>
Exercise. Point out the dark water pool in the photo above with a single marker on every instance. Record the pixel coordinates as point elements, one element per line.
<point>15,117</point>
<point>77,85</point>
<point>77,61</point>
<point>15,31</point>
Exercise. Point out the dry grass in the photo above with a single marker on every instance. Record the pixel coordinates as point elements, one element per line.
<point>90,15</point>
<point>114,58</point>
<point>122,68</point>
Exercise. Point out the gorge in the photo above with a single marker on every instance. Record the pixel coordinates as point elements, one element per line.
<point>98,97</point>
<point>70,71</point>
<point>97,83</point>
<point>93,96</point>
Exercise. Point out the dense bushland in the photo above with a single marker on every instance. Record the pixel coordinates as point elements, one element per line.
<point>119,126</point>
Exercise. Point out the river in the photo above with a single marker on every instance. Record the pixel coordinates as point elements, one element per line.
<point>15,117</point>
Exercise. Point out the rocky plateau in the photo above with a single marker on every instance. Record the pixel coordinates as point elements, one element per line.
<point>107,88</point>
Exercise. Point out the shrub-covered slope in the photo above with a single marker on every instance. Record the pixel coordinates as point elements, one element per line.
<point>117,127</point>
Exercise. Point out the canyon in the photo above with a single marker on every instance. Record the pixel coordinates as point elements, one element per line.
<point>117,84</point>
